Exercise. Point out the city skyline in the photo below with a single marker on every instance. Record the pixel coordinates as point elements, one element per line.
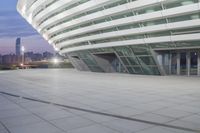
<point>106,66</point>
<point>12,26</point>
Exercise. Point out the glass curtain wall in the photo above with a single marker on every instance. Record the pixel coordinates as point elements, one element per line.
<point>179,62</point>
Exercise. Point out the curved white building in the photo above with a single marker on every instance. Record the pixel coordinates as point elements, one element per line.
<point>154,37</point>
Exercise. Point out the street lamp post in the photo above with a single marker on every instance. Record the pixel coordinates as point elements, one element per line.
<point>23,50</point>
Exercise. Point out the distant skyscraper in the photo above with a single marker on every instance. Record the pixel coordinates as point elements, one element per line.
<point>18,46</point>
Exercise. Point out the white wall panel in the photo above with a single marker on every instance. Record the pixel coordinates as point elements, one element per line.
<point>28,14</point>
<point>134,19</point>
<point>135,42</point>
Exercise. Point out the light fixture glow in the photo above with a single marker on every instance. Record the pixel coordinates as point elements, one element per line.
<point>22,48</point>
<point>55,60</point>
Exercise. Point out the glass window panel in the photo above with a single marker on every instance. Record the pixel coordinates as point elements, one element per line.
<point>131,70</point>
<point>147,60</point>
<point>96,69</point>
<point>132,60</point>
<point>194,63</point>
<point>162,45</point>
<point>141,51</point>
<point>138,70</point>
<point>148,70</point>
<point>174,63</point>
<point>124,60</point>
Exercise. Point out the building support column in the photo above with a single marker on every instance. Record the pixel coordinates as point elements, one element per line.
<point>160,67</point>
<point>78,63</point>
<point>122,63</point>
<point>198,64</point>
<point>188,63</point>
<point>178,63</point>
<point>170,63</point>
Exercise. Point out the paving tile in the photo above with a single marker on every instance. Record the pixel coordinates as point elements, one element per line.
<point>94,129</point>
<point>105,106</point>
<point>3,131</point>
<point>41,127</point>
<point>148,107</point>
<point>153,117</point>
<point>194,104</point>
<point>20,120</point>
<point>187,108</point>
<point>44,109</point>
<point>185,124</point>
<point>70,123</point>
<point>97,118</point>
<point>31,104</point>
<point>163,130</point>
<point>52,115</point>
<point>1,126</point>
<point>13,113</point>
<point>125,111</point>
<point>193,119</point>
<point>8,105</point>
<point>16,100</point>
<point>174,113</point>
<point>126,126</point>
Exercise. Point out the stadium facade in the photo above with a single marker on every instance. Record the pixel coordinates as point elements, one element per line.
<point>151,37</point>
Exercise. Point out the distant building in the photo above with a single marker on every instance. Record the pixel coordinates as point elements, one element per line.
<point>38,56</point>
<point>18,46</point>
<point>47,55</point>
<point>11,59</point>
<point>29,55</point>
<point>0,59</point>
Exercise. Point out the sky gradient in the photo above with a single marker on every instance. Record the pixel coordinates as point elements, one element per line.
<point>12,25</point>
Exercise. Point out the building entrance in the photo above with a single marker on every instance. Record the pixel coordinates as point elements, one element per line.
<point>180,62</point>
<point>109,62</point>
<point>194,63</point>
<point>183,63</point>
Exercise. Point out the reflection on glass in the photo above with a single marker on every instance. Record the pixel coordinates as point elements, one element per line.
<point>194,63</point>
<point>183,64</point>
<point>174,63</point>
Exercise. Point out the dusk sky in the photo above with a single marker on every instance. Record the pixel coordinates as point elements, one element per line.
<point>12,25</point>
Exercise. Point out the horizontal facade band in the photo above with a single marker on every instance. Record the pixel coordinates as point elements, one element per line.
<point>135,31</point>
<point>139,18</point>
<point>138,4</point>
<point>70,13</point>
<point>175,38</point>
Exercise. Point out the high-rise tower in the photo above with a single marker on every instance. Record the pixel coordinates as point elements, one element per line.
<point>18,46</point>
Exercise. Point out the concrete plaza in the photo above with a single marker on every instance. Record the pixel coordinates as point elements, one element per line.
<point>69,101</point>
